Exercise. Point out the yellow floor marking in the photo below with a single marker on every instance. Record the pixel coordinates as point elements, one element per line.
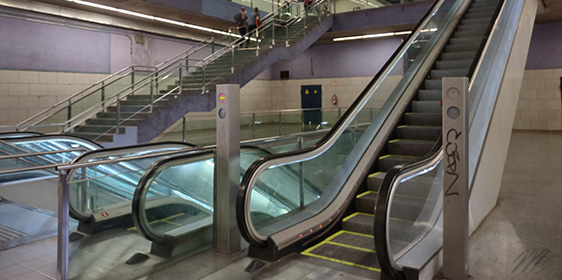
<point>357,233</point>
<point>350,247</point>
<point>342,262</point>
<point>165,220</point>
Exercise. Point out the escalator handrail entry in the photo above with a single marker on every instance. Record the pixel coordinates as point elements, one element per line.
<point>321,145</point>
<point>143,186</point>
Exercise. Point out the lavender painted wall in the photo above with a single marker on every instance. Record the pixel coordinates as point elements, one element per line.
<point>37,46</point>
<point>351,59</point>
<point>545,50</point>
<point>410,13</point>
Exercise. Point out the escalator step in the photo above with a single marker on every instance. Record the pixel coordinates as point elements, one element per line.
<point>426,106</point>
<point>438,74</point>
<point>359,222</point>
<point>425,119</point>
<point>356,257</point>
<point>466,27</point>
<point>420,132</point>
<point>433,84</point>
<point>386,162</point>
<point>452,64</point>
<point>468,33</point>
<point>374,180</point>
<point>365,202</point>
<point>463,48</point>
<point>458,55</point>
<point>410,147</point>
<point>430,94</point>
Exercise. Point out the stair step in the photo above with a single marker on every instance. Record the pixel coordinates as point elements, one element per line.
<point>419,132</point>
<point>386,162</point>
<point>99,129</point>
<point>423,119</point>
<point>410,147</point>
<point>112,121</point>
<point>96,137</point>
<point>426,106</point>
<point>438,74</point>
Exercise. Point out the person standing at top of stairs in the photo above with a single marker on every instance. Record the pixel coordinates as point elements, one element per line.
<point>241,20</point>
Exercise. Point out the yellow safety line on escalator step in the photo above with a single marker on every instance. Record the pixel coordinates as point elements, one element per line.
<point>357,233</point>
<point>374,174</point>
<point>342,262</point>
<point>365,193</point>
<point>334,235</point>
<point>350,247</point>
<point>163,220</point>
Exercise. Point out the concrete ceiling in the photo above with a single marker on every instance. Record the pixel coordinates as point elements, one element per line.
<point>552,13</point>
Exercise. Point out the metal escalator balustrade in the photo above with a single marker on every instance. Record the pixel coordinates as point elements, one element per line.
<point>491,57</point>
<point>343,166</point>
<point>35,156</point>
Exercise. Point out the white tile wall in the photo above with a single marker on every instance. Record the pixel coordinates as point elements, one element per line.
<point>540,105</point>
<point>26,93</point>
<point>23,93</point>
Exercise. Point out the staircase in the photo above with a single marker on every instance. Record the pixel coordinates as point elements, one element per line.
<point>172,98</point>
<point>412,139</point>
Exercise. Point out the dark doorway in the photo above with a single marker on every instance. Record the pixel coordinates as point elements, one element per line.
<point>311,98</point>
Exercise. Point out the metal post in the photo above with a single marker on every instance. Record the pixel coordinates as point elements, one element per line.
<point>181,81</point>
<point>253,125</point>
<point>133,80</point>
<point>151,95</point>
<point>227,170</point>
<point>203,87</point>
<point>232,67</point>
<point>339,113</point>
<point>287,35</point>
<point>117,116</point>
<point>273,32</point>
<point>69,110</point>
<point>302,121</point>
<point>212,45</point>
<point>102,94</point>
<point>62,236</point>
<point>300,142</point>
<point>280,125</point>
<point>183,129</point>
<point>455,178</point>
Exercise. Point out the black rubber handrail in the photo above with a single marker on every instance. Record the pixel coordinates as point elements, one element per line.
<point>383,197</point>
<point>142,188</point>
<point>77,214</point>
<point>243,224</point>
<point>485,39</point>
<point>380,224</point>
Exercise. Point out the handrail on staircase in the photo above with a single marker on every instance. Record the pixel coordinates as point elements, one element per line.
<point>162,70</point>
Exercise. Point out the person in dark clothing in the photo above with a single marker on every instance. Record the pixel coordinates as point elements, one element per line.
<point>255,20</point>
<point>242,23</point>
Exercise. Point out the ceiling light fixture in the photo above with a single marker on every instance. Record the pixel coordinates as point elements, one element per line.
<point>370,36</point>
<point>169,21</point>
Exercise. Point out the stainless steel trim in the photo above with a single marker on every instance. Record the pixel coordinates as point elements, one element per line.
<point>321,149</point>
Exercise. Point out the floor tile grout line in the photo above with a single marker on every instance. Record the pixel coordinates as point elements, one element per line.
<point>30,268</point>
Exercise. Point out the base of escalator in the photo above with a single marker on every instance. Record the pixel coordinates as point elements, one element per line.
<point>349,248</point>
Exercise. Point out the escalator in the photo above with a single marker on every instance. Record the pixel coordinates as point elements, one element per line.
<point>23,154</point>
<point>453,39</point>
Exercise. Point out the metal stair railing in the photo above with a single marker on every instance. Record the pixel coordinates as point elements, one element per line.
<point>162,72</point>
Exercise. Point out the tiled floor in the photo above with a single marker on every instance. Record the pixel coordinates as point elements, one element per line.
<point>520,239</point>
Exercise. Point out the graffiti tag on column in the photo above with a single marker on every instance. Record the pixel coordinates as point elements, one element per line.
<point>452,154</point>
